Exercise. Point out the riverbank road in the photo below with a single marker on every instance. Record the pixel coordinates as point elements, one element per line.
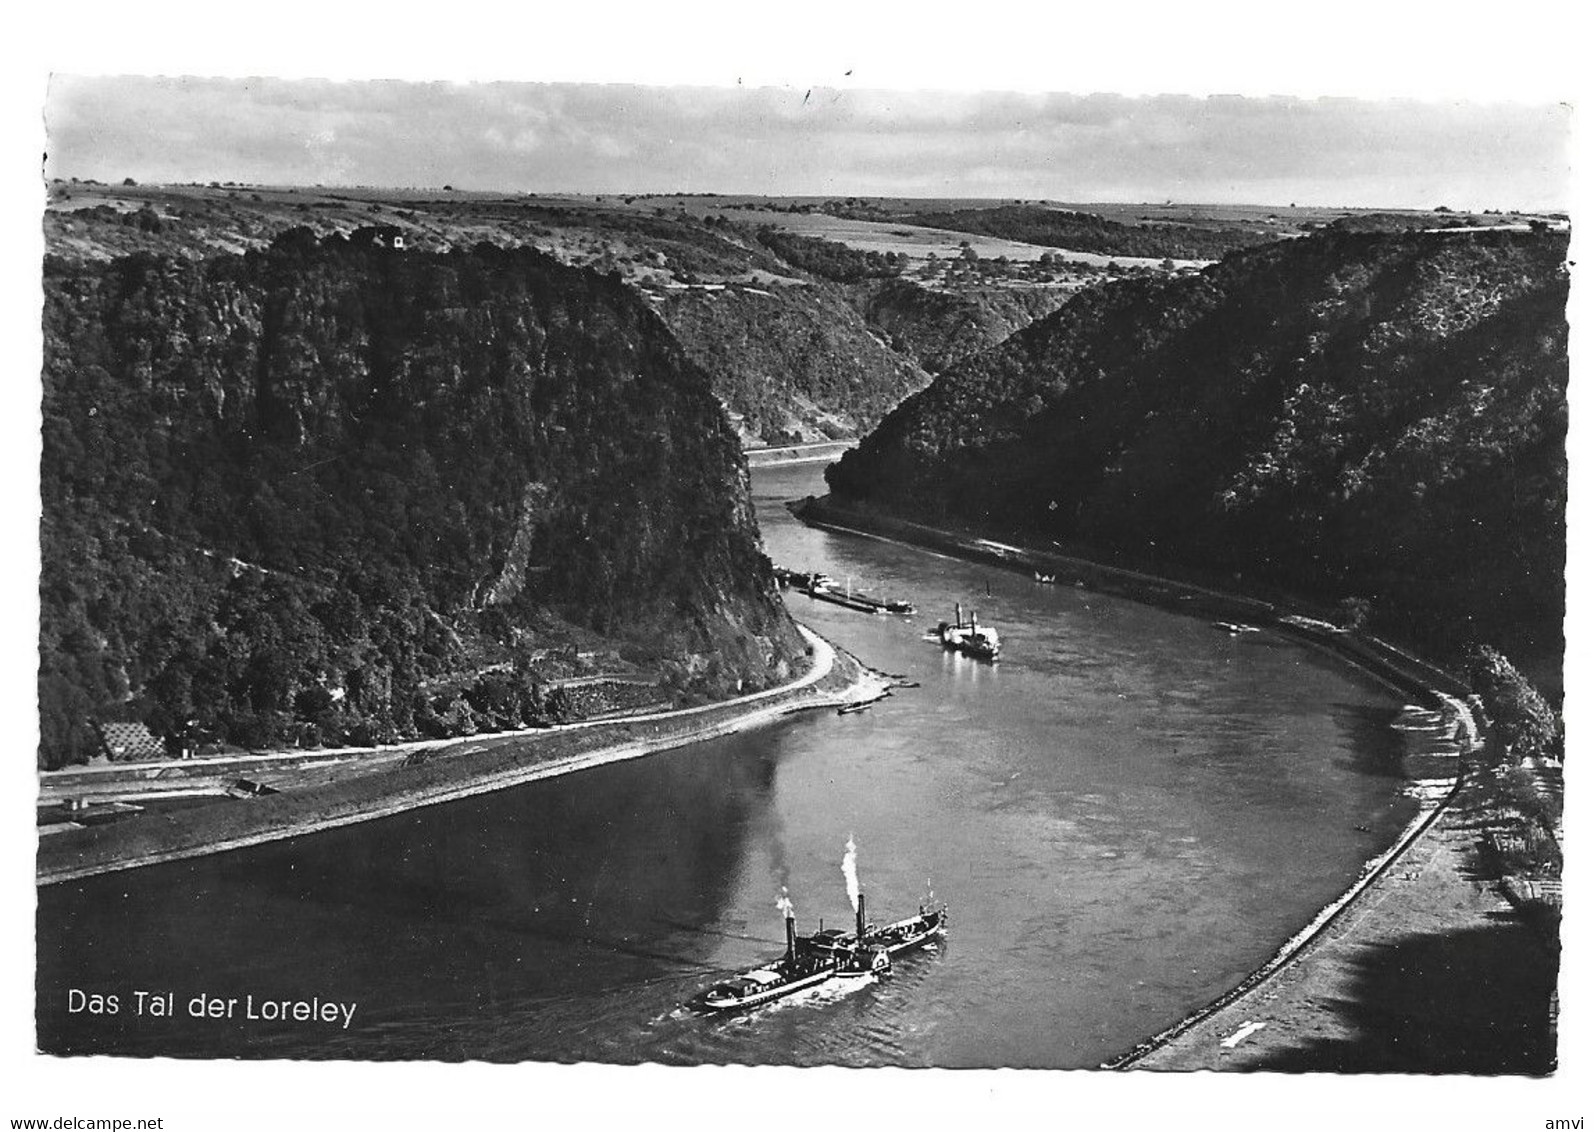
<point>821,452</point>
<point>214,775</point>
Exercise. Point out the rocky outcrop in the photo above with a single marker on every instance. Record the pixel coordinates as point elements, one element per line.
<point>284,490</point>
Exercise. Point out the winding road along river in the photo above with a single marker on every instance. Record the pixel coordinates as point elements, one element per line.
<point>1127,813</point>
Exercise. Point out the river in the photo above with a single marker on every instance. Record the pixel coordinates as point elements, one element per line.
<point>1126,814</point>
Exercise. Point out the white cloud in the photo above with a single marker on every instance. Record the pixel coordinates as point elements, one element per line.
<point>819,139</point>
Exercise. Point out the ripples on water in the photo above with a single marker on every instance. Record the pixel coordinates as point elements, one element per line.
<point>1127,814</point>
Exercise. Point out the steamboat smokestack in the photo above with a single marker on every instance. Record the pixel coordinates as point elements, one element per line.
<point>784,904</point>
<point>957,613</point>
<point>860,917</point>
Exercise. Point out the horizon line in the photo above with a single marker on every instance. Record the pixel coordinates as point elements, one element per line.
<point>294,186</point>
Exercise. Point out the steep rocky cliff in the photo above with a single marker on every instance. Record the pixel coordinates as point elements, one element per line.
<point>1375,416</point>
<point>336,492</point>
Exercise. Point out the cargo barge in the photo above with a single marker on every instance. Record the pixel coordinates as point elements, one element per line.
<point>822,587</point>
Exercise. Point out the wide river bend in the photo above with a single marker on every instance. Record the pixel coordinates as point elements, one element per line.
<point>1127,814</point>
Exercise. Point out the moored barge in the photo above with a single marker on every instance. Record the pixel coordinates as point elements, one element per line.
<point>822,587</point>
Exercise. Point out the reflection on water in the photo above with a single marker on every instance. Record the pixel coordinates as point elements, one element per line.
<point>1127,813</point>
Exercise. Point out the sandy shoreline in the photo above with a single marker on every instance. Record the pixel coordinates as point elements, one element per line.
<point>494,763</point>
<point>1220,1013</point>
<point>1430,970</point>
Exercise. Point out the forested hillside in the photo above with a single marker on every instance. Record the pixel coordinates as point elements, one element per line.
<point>831,357</point>
<point>784,323</point>
<point>939,327</point>
<point>1373,416</point>
<point>792,364</point>
<point>1087,232</point>
<point>332,492</point>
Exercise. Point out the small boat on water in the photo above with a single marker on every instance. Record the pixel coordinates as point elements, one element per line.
<point>1045,579</point>
<point>969,638</point>
<point>827,954</point>
<point>799,969</point>
<point>894,938</point>
<point>868,950</point>
<point>763,984</point>
<point>910,932</point>
<point>1234,629</point>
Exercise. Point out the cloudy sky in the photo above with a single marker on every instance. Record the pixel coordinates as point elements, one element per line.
<point>810,140</point>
